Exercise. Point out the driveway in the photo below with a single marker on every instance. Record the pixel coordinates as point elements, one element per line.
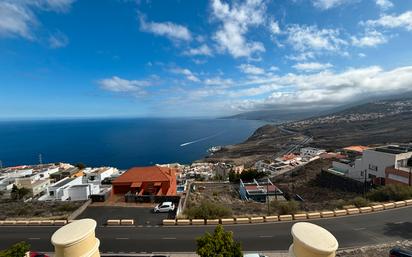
<point>141,216</point>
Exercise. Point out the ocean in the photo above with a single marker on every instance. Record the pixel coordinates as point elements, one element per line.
<point>122,143</point>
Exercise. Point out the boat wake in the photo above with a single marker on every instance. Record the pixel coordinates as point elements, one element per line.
<point>200,139</point>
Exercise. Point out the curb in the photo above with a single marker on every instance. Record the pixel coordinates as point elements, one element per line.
<point>299,216</point>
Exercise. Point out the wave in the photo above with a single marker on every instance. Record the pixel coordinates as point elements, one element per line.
<point>201,139</point>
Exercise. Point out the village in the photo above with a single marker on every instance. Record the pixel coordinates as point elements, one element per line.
<point>305,179</point>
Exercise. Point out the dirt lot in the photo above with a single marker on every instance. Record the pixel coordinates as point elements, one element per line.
<point>227,195</point>
<point>315,198</point>
<point>36,209</point>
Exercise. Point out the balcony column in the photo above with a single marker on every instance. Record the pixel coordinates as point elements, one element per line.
<point>310,240</point>
<point>76,239</point>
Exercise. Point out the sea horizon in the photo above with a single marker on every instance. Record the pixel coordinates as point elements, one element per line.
<point>121,142</point>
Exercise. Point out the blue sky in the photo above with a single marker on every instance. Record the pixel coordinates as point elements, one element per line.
<point>67,58</point>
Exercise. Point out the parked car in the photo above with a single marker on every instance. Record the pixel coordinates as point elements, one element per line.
<point>398,252</point>
<point>164,207</point>
<point>35,254</point>
<point>253,255</point>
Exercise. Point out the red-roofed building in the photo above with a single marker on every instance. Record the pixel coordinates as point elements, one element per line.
<point>152,180</point>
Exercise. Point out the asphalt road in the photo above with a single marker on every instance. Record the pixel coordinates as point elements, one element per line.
<point>351,231</point>
<point>141,216</point>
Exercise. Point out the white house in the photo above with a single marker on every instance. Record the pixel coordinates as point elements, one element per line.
<point>374,162</point>
<point>310,152</point>
<point>70,189</point>
<point>96,176</point>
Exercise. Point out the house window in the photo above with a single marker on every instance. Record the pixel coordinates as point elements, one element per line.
<point>361,173</point>
<point>373,167</point>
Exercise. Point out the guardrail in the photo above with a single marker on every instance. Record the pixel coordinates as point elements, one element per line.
<point>298,216</point>
<point>33,222</point>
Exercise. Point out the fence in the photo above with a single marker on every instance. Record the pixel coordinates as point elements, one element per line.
<point>133,198</point>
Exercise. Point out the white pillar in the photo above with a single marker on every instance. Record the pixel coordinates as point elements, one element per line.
<point>76,239</point>
<point>310,240</point>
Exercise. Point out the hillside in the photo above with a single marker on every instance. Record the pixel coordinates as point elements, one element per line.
<point>377,122</point>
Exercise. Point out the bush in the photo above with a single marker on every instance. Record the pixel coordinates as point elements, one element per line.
<point>220,244</point>
<point>208,210</point>
<point>360,202</point>
<point>16,250</point>
<point>283,208</point>
<point>390,193</point>
<point>67,207</point>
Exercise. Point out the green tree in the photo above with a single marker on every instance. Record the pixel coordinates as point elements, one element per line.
<point>208,210</point>
<point>16,250</point>
<point>220,244</point>
<point>19,193</point>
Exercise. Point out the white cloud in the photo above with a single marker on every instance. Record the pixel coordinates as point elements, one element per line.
<point>235,22</point>
<point>328,4</point>
<point>312,66</point>
<point>309,38</point>
<point>304,56</point>
<point>58,40</point>
<point>16,20</point>
<point>384,4</point>
<point>168,29</point>
<point>274,27</point>
<point>218,81</point>
<point>201,50</point>
<point>17,17</point>
<point>403,20</point>
<point>251,69</point>
<point>187,73</point>
<point>369,39</point>
<point>273,68</point>
<point>119,85</point>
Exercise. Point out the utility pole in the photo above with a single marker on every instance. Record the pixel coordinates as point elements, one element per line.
<point>267,195</point>
<point>364,185</point>
<point>40,159</point>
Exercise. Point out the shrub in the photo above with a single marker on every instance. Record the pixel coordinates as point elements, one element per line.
<point>67,207</point>
<point>283,208</point>
<point>390,193</point>
<point>16,250</point>
<point>360,202</point>
<point>208,210</point>
<point>221,243</point>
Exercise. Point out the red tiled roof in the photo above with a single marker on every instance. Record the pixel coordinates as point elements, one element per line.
<point>356,148</point>
<point>145,174</point>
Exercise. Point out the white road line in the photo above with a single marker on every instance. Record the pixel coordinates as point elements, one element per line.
<point>122,238</point>
<point>34,238</point>
<point>169,238</point>
<point>399,222</point>
<point>265,236</point>
<point>357,229</point>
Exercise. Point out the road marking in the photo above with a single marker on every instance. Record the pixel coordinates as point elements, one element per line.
<point>122,238</point>
<point>265,236</point>
<point>34,238</point>
<point>357,229</point>
<point>399,222</point>
<point>169,238</point>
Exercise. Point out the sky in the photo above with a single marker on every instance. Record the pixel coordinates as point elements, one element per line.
<point>184,58</point>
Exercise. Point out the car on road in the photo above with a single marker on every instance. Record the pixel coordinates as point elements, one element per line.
<point>164,207</point>
<point>253,255</point>
<point>398,252</point>
<point>35,254</point>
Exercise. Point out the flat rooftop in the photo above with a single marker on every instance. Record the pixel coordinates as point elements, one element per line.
<point>63,182</point>
<point>392,149</point>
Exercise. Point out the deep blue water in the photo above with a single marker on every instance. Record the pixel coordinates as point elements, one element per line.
<point>117,142</point>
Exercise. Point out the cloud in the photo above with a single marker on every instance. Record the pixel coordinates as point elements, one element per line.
<point>328,4</point>
<point>167,29</point>
<point>187,73</point>
<point>312,66</point>
<point>369,39</point>
<point>384,4</point>
<point>274,27</point>
<point>403,20</point>
<point>58,40</point>
<point>201,50</point>
<point>311,39</point>
<point>235,23</point>
<point>251,69</point>
<point>18,19</point>
<point>119,85</point>
<point>218,81</point>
